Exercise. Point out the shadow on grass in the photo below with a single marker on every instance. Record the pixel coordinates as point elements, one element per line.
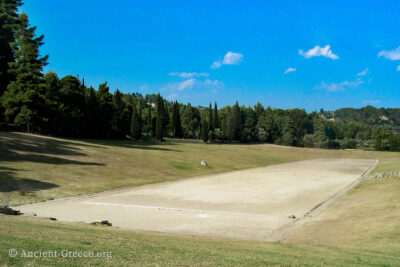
<point>9,183</point>
<point>16,147</point>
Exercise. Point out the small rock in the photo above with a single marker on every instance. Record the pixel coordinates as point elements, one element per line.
<point>103,222</point>
<point>292,217</point>
<point>53,219</point>
<point>204,163</point>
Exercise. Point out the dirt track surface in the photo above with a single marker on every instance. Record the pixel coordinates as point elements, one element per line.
<point>251,204</point>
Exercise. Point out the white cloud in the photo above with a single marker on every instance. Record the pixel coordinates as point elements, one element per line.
<point>398,68</point>
<point>186,75</point>
<point>342,86</point>
<point>363,73</point>
<point>186,84</point>
<point>230,58</point>
<point>207,84</point>
<point>216,64</point>
<point>391,55</point>
<point>290,70</point>
<point>318,51</point>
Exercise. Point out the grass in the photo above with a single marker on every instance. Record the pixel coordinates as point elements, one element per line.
<point>362,228</point>
<point>146,249</point>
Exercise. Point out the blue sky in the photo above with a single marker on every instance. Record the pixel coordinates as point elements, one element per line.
<point>335,53</point>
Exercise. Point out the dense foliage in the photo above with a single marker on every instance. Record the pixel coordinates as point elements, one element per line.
<point>67,107</point>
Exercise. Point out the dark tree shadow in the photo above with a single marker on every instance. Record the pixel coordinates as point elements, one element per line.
<point>9,183</point>
<point>32,148</point>
<point>18,147</point>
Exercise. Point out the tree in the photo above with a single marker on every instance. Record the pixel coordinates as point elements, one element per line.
<point>23,100</point>
<point>381,138</point>
<point>160,120</point>
<point>176,121</point>
<point>320,139</point>
<point>71,104</point>
<point>136,129</point>
<point>204,130</point>
<point>215,117</point>
<point>9,24</point>
<point>106,108</point>
<point>249,126</point>
<point>235,124</point>
<point>210,118</point>
<point>190,121</point>
<point>289,138</point>
<point>166,121</point>
<point>118,123</point>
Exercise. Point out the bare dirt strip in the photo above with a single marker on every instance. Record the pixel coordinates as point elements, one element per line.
<point>252,204</point>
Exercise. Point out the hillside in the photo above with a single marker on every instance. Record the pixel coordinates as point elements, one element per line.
<point>388,117</point>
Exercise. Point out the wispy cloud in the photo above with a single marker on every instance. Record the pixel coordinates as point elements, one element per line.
<point>390,54</point>
<point>206,84</point>
<point>342,86</point>
<point>398,68</point>
<point>186,75</point>
<point>363,73</point>
<point>290,70</point>
<point>186,84</point>
<point>230,58</point>
<point>216,64</point>
<point>318,51</point>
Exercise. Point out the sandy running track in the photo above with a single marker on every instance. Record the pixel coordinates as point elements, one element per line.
<point>252,204</point>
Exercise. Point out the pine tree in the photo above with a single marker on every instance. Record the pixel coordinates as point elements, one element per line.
<point>23,100</point>
<point>106,107</point>
<point>9,24</point>
<point>320,139</point>
<point>215,117</point>
<point>136,129</point>
<point>289,137</point>
<point>160,120</point>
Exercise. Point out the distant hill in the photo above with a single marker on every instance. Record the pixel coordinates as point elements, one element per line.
<point>388,117</point>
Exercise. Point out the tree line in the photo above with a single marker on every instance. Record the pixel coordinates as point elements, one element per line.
<point>47,104</point>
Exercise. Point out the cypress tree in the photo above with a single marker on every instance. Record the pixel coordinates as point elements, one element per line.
<point>204,130</point>
<point>210,118</point>
<point>136,129</point>
<point>235,123</point>
<point>176,121</point>
<point>166,121</point>
<point>23,100</point>
<point>215,117</point>
<point>160,120</point>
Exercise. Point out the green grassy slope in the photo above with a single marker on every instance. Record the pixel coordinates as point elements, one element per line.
<point>144,249</point>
